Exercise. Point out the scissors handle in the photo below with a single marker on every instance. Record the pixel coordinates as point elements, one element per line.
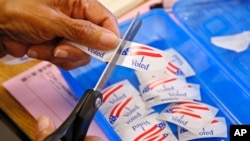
<point>75,127</point>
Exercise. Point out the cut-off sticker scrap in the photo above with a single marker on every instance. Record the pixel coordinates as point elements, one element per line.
<point>215,128</point>
<point>141,57</point>
<point>117,93</point>
<point>177,65</point>
<point>192,118</point>
<point>237,42</point>
<point>147,129</point>
<point>129,110</point>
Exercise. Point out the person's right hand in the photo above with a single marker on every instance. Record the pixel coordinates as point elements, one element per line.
<point>35,27</point>
<point>45,127</point>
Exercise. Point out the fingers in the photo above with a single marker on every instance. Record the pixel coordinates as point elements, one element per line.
<point>88,34</point>
<point>63,55</point>
<point>95,12</point>
<point>13,47</point>
<point>2,50</point>
<point>44,127</point>
<point>88,23</point>
<point>92,138</point>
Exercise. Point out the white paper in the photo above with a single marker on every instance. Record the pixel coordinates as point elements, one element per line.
<point>11,60</point>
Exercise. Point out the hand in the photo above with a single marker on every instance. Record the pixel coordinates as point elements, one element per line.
<point>36,27</point>
<point>45,127</point>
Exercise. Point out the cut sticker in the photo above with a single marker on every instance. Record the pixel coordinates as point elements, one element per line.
<point>141,57</point>
<point>128,111</point>
<point>147,129</point>
<point>161,85</point>
<point>192,116</point>
<point>214,129</point>
<point>185,93</point>
<point>177,65</point>
<point>117,93</point>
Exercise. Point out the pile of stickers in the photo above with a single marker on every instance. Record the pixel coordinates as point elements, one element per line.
<point>131,112</point>
<point>162,76</point>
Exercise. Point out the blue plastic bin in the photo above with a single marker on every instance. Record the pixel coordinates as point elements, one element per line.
<point>223,84</point>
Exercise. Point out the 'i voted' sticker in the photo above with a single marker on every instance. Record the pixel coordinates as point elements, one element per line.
<point>191,116</point>
<point>215,128</point>
<point>188,92</point>
<point>147,129</point>
<point>160,85</point>
<point>128,111</point>
<point>177,65</point>
<point>141,57</point>
<point>117,93</point>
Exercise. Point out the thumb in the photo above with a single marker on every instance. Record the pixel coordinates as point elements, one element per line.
<point>44,127</point>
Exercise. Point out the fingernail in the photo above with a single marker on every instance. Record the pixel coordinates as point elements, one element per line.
<point>32,53</point>
<point>109,40</point>
<point>61,53</point>
<point>43,123</point>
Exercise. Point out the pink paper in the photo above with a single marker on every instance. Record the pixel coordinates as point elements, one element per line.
<point>43,91</point>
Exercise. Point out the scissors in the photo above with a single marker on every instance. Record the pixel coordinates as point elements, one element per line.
<point>75,127</point>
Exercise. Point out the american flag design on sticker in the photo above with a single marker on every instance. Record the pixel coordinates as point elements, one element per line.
<point>174,69</point>
<point>186,112</point>
<point>153,133</point>
<point>214,121</point>
<point>110,91</point>
<point>117,110</point>
<point>157,83</point>
<point>194,106</point>
<point>141,51</point>
<point>183,130</point>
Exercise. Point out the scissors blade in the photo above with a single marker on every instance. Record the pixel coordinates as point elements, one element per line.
<point>128,36</point>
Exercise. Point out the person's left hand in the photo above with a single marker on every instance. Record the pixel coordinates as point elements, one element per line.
<point>45,127</point>
<point>36,27</point>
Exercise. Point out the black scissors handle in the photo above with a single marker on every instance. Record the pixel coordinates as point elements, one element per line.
<point>75,127</point>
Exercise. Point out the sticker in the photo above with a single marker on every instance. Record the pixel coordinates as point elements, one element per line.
<point>141,57</point>
<point>215,128</point>
<point>192,116</point>
<point>177,65</point>
<point>147,129</point>
<point>160,86</point>
<point>147,76</point>
<point>129,110</point>
<point>117,93</point>
<point>189,92</point>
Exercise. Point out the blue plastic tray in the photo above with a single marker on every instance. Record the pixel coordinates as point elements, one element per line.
<point>204,19</point>
<point>218,87</point>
